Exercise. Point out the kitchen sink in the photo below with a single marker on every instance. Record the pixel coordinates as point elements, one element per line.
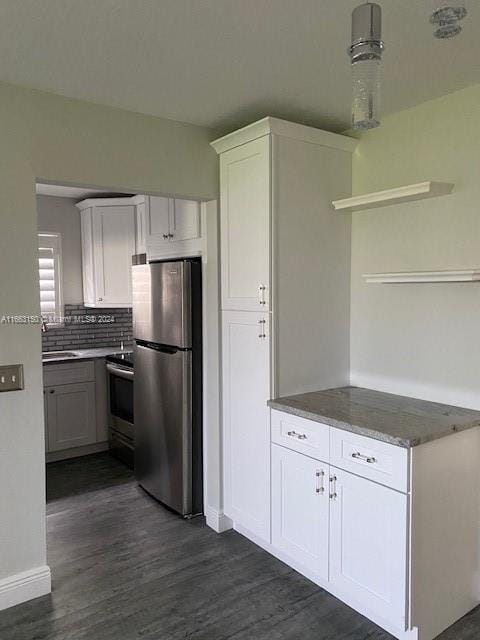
<point>52,355</point>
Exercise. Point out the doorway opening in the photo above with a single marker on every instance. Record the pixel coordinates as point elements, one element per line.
<point>86,240</point>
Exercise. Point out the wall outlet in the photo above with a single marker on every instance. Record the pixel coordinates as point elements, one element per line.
<point>11,377</point>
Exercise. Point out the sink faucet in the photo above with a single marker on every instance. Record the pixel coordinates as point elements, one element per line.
<point>44,326</point>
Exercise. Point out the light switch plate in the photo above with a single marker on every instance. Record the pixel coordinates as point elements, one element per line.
<point>11,377</point>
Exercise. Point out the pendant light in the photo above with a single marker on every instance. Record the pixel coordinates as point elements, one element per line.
<point>366,55</point>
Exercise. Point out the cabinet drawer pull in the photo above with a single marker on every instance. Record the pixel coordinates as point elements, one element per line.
<point>294,434</point>
<point>360,456</point>
<point>319,488</point>
<point>333,489</point>
<point>261,294</point>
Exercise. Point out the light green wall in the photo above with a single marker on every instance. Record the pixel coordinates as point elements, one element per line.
<point>419,339</point>
<point>52,138</point>
<point>60,215</point>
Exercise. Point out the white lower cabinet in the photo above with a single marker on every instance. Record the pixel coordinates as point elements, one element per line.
<point>246,419</point>
<point>300,509</point>
<point>368,545</point>
<point>70,415</point>
<point>346,532</point>
<point>74,408</point>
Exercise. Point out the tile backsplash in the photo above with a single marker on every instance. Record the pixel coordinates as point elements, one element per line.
<point>85,328</point>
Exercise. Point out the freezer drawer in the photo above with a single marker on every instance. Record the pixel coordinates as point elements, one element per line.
<point>163,425</point>
<point>162,311</point>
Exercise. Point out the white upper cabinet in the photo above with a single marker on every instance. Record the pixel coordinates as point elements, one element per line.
<point>245,229</point>
<point>300,509</point>
<point>114,245</point>
<point>140,227</point>
<point>184,220</point>
<point>285,260</point>
<point>168,227</point>
<point>368,546</point>
<point>108,243</point>
<point>246,375</point>
<point>158,220</point>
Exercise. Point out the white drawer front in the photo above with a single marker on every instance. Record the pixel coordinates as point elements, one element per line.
<point>68,373</point>
<point>305,436</point>
<point>369,458</point>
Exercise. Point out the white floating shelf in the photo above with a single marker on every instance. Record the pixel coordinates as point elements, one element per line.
<point>408,193</point>
<point>471,275</point>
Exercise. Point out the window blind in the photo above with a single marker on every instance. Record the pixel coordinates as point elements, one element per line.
<point>49,277</point>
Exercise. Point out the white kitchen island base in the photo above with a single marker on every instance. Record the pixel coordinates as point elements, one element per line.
<point>389,530</point>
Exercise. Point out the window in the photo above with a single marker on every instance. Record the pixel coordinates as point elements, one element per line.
<point>49,272</point>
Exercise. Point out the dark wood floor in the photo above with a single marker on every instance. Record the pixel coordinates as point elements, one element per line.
<point>125,568</point>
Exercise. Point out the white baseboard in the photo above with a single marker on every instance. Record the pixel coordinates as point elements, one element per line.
<point>217,520</point>
<point>25,586</point>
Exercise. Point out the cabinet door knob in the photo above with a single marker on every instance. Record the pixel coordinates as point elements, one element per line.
<point>171,235</point>
<point>52,390</point>
<point>165,236</point>
<point>100,299</point>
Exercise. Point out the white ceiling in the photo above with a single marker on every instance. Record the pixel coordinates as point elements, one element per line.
<point>224,63</point>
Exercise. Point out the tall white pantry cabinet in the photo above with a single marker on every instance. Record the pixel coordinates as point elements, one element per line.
<point>285,269</point>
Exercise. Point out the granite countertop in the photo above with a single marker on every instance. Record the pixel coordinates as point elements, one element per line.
<point>405,422</point>
<point>84,354</point>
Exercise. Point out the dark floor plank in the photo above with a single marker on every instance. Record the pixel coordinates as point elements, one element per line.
<point>125,568</point>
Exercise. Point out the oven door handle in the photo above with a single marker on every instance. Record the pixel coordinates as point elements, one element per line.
<point>121,373</point>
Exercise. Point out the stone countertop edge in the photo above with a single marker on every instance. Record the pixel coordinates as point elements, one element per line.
<point>85,354</point>
<point>406,443</point>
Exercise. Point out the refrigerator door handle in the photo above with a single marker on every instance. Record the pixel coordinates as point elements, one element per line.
<point>162,348</point>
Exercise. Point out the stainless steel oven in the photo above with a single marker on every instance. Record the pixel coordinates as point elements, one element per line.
<point>120,406</point>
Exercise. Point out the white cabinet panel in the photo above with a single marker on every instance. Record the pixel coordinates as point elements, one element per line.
<point>67,372</point>
<point>141,227</point>
<point>245,223</point>
<point>108,243</point>
<point>114,245</point>
<point>173,227</point>
<point>379,461</point>
<point>299,434</point>
<point>368,546</point>
<point>88,268</point>
<point>70,416</point>
<point>185,220</point>
<point>246,389</point>
<point>158,216</point>
<point>300,509</point>
<point>45,418</point>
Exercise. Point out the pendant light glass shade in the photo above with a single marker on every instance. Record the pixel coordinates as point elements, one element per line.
<point>366,94</point>
<point>446,16</point>
<point>366,56</point>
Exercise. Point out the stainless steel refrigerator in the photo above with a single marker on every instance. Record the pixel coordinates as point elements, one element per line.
<point>167,329</point>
